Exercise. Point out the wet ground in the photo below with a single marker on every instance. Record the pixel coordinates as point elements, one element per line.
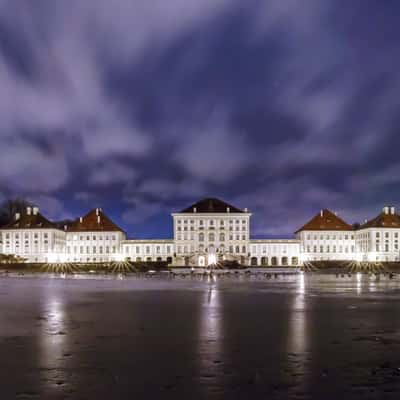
<point>299,337</point>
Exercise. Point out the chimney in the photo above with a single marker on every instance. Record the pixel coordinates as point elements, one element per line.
<point>246,210</point>
<point>17,216</point>
<point>98,219</point>
<point>386,210</point>
<point>228,209</point>
<point>80,220</point>
<point>35,210</point>
<point>97,211</point>
<point>28,210</point>
<point>322,213</point>
<point>65,227</point>
<point>392,210</point>
<point>195,209</point>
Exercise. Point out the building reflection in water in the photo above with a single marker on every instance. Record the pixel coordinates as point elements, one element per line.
<point>297,335</point>
<point>52,344</point>
<point>210,336</point>
<point>358,278</point>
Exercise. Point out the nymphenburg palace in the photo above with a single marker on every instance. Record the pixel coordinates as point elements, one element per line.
<point>205,233</point>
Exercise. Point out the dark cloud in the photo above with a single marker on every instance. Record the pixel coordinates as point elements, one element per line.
<point>141,107</point>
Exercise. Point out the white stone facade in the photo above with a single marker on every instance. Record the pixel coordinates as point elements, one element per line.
<point>201,238</point>
<point>204,238</point>
<point>327,245</point>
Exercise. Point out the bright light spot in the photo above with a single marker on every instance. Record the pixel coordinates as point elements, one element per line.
<point>212,259</point>
<point>55,258</point>
<point>119,257</point>
<point>358,276</point>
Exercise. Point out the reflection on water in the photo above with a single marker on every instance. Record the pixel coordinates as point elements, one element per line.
<point>298,335</point>
<point>358,277</point>
<point>52,343</point>
<point>210,334</point>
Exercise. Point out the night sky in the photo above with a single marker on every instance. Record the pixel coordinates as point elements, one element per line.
<point>143,107</point>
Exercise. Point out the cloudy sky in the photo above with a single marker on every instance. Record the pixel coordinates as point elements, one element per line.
<point>143,107</point>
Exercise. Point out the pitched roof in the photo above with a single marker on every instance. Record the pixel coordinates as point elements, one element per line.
<point>326,220</point>
<point>94,220</point>
<point>211,205</point>
<point>387,219</point>
<point>30,221</point>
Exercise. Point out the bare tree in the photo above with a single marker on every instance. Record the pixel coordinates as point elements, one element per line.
<point>9,207</point>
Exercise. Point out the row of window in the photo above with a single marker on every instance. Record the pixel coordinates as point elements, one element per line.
<point>329,249</point>
<point>90,249</point>
<point>270,249</point>
<point>93,237</point>
<point>211,237</point>
<point>26,235</point>
<point>191,228</point>
<point>329,237</point>
<point>211,222</point>
<point>138,249</point>
<point>232,249</point>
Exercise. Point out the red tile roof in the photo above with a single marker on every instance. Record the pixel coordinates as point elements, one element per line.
<point>94,220</point>
<point>383,220</point>
<point>211,205</point>
<point>326,220</point>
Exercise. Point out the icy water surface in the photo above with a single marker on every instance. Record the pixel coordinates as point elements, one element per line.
<point>311,336</point>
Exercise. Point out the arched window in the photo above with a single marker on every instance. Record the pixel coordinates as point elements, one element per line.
<point>201,237</point>
<point>237,249</point>
<point>211,236</point>
<point>222,237</point>
<point>264,261</point>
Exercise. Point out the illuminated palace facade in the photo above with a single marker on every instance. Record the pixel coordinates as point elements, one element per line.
<point>208,232</point>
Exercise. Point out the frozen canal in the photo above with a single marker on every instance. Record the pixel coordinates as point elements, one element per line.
<point>313,336</point>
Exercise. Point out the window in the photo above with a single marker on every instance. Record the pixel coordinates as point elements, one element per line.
<point>211,237</point>
<point>201,237</point>
<point>222,237</point>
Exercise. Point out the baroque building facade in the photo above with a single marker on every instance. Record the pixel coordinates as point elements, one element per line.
<point>208,232</point>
